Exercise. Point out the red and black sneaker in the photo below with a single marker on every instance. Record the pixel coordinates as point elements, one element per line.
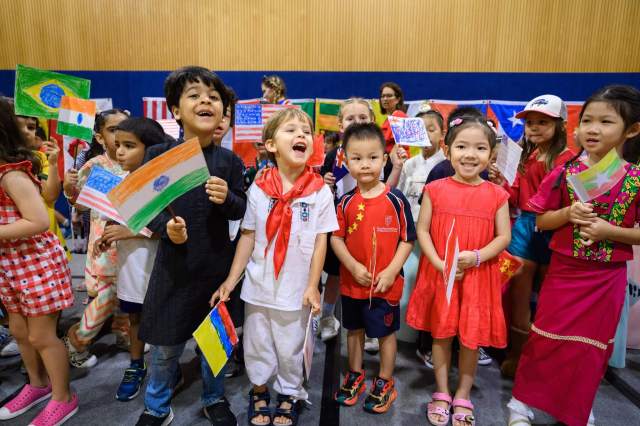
<point>352,387</point>
<point>383,393</point>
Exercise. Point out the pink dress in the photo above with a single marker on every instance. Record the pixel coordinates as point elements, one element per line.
<point>475,312</point>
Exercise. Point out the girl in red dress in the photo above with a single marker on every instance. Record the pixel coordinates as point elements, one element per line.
<point>478,213</point>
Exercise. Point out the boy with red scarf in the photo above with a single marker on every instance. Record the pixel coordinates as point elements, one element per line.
<point>282,246</point>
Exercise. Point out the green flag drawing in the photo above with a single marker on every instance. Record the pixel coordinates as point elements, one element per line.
<point>38,92</point>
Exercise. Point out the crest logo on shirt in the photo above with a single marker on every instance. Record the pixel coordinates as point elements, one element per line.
<point>388,220</point>
<point>304,212</point>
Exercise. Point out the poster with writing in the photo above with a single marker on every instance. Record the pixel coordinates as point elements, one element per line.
<point>409,131</point>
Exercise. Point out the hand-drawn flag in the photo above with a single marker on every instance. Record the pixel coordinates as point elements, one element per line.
<point>76,117</point>
<point>216,336</point>
<point>94,192</point>
<point>251,118</point>
<point>505,112</point>
<point>599,178</point>
<point>508,265</point>
<point>340,166</point>
<point>409,131</point>
<point>147,191</point>
<point>155,108</point>
<point>307,105</point>
<point>327,115</point>
<point>38,93</point>
<point>451,252</point>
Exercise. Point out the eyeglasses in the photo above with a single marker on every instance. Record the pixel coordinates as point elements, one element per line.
<point>387,96</point>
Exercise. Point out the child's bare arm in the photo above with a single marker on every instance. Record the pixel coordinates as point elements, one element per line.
<point>311,295</point>
<point>424,235</point>
<point>360,272</point>
<point>240,261</point>
<point>52,186</point>
<point>578,213</point>
<point>25,194</point>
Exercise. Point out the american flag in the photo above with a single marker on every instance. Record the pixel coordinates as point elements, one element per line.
<point>156,108</point>
<point>94,192</point>
<point>250,119</point>
<point>339,168</point>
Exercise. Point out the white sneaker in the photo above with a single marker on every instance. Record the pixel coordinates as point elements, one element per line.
<point>10,349</point>
<point>371,345</point>
<point>329,328</point>
<point>79,359</point>
<point>425,358</point>
<point>519,413</point>
<point>484,358</point>
<point>147,348</point>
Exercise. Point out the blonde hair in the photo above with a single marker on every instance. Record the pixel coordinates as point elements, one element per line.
<point>278,119</point>
<point>356,100</point>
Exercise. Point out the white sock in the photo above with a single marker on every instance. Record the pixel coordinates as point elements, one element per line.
<point>592,419</point>
<point>327,309</point>
<point>519,411</point>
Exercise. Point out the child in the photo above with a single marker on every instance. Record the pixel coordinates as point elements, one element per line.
<point>100,270</point>
<point>136,254</point>
<point>352,111</point>
<point>274,91</point>
<point>194,252</point>
<point>544,148</point>
<point>480,213</point>
<point>566,354</point>
<point>294,203</point>
<point>374,240</point>
<point>35,281</point>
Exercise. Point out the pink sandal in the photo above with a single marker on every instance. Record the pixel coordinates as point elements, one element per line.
<point>433,409</point>
<point>463,417</point>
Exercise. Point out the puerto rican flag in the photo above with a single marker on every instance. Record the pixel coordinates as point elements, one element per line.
<point>339,167</point>
<point>156,108</point>
<point>250,119</point>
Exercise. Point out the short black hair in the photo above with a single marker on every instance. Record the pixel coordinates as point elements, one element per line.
<point>147,130</point>
<point>177,80</point>
<point>233,99</point>
<point>362,131</point>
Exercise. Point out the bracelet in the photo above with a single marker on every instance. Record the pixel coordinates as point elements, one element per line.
<point>477,252</point>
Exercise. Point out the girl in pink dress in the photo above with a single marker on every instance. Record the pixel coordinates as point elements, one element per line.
<point>571,339</point>
<point>479,212</point>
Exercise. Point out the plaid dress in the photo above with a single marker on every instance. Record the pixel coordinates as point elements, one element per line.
<point>35,279</point>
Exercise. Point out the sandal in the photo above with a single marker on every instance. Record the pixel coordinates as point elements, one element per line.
<point>463,417</point>
<point>290,413</point>
<point>254,412</point>
<point>433,409</point>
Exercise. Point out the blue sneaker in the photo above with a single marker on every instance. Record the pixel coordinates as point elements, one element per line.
<point>131,383</point>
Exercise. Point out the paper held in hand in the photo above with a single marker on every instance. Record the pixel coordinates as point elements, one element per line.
<point>451,253</point>
<point>409,131</point>
<point>508,159</point>
<point>599,178</point>
<point>309,344</point>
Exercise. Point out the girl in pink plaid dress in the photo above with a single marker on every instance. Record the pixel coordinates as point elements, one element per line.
<point>35,281</point>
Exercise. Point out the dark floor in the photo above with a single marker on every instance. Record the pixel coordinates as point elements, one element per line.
<point>96,389</point>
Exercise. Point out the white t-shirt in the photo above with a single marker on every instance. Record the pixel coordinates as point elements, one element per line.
<point>311,215</point>
<point>413,177</point>
<point>135,262</point>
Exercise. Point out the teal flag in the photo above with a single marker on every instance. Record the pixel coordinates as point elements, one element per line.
<point>38,92</point>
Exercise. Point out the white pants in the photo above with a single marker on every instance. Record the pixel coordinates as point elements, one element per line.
<point>273,341</point>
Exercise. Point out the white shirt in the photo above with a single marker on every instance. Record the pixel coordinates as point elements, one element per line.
<point>413,177</point>
<point>135,262</point>
<point>311,215</point>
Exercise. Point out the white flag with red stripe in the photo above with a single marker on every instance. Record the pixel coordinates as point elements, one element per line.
<point>451,252</point>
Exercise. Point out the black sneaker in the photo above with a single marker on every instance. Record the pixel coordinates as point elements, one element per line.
<point>220,414</point>
<point>148,419</point>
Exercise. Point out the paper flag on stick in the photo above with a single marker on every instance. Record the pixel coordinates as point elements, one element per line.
<point>599,178</point>
<point>76,117</point>
<point>451,253</point>
<point>216,336</point>
<point>38,93</point>
<point>151,188</point>
<point>508,265</point>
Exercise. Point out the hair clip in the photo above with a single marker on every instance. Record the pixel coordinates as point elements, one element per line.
<point>455,122</point>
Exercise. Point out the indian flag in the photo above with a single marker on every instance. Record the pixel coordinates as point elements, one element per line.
<point>327,115</point>
<point>151,188</point>
<point>76,117</point>
<point>598,179</point>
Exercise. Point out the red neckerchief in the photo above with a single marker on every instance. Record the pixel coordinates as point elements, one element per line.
<point>279,220</point>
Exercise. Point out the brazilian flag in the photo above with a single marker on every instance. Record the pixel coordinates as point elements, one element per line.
<point>38,92</point>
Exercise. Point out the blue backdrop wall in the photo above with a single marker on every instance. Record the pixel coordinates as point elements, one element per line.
<point>127,88</point>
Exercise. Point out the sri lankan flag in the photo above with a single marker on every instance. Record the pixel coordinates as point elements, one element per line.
<point>599,178</point>
<point>38,93</point>
<point>327,115</point>
<point>76,118</point>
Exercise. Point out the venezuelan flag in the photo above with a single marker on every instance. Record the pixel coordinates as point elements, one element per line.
<point>38,93</point>
<point>216,337</point>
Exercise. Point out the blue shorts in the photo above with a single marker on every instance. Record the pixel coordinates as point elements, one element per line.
<point>381,320</point>
<point>529,243</point>
<point>130,307</point>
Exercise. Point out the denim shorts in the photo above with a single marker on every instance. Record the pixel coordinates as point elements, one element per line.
<point>529,243</point>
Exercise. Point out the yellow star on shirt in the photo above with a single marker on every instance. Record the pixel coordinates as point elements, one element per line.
<point>354,226</point>
<point>361,207</point>
<point>359,217</point>
<point>350,230</point>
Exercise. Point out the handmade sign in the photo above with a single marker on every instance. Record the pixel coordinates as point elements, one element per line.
<point>216,336</point>
<point>309,345</point>
<point>38,93</point>
<point>409,131</point>
<point>508,159</point>
<point>76,117</point>
<point>151,188</point>
<point>451,252</point>
<point>599,178</point>
<point>251,118</point>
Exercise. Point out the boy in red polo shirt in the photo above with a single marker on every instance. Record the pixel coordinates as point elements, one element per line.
<point>375,238</point>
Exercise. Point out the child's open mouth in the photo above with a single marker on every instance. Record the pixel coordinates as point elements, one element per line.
<point>205,114</point>
<point>300,147</point>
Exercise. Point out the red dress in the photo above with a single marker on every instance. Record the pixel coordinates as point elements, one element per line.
<point>35,279</point>
<point>475,313</point>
